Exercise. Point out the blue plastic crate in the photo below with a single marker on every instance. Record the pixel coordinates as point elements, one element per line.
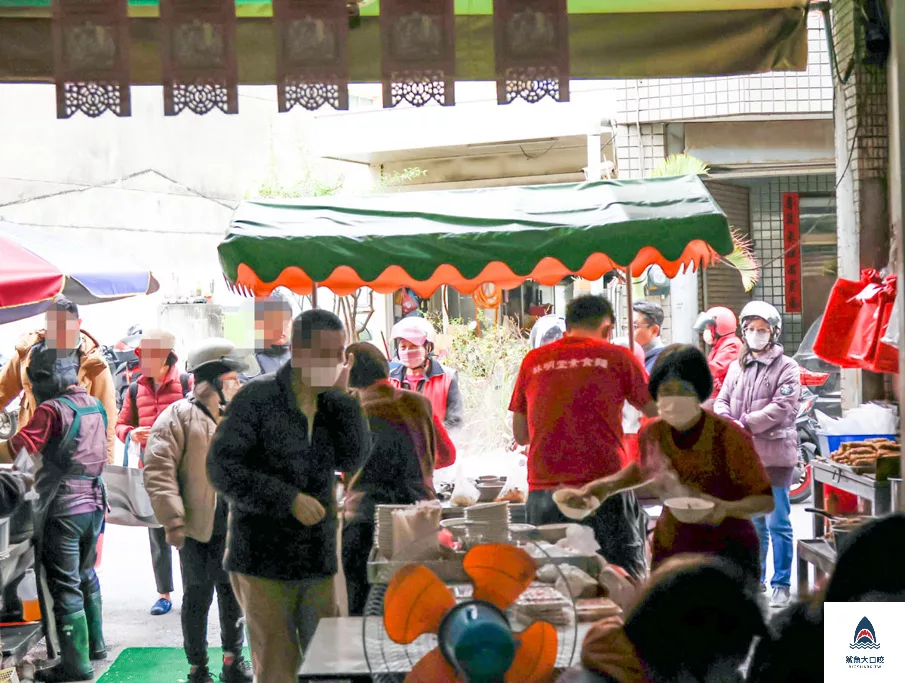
<point>829,443</point>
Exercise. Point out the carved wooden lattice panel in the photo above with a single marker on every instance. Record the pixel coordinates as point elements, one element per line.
<point>531,41</point>
<point>200,70</point>
<point>312,69</point>
<point>418,58</point>
<point>91,57</point>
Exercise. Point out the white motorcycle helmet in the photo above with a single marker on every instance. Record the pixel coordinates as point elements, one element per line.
<point>764,311</point>
<point>546,330</point>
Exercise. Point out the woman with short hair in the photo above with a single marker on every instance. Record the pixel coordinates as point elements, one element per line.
<point>689,451</point>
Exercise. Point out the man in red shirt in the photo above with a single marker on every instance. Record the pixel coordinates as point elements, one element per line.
<point>567,405</point>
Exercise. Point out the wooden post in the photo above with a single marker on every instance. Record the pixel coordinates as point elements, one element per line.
<point>314,296</point>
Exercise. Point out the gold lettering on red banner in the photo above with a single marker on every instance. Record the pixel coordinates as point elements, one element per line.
<point>791,237</point>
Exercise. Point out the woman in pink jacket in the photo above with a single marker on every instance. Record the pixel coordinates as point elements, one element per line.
<point>761,393</point>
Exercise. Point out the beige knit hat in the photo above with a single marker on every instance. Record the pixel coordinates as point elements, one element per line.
<point>160,339</point>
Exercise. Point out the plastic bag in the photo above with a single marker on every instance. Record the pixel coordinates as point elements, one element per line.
<point>415,530</point>
<point>580,539</point>
<point>870,418</point>
<point>516,488</point>
<point>891,335</point>
<point>464,493</point>
<point>617,586</point>
<point>132,453</point>
<point>573,581</point>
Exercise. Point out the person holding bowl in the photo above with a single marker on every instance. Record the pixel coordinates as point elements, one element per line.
<point>692,453</point>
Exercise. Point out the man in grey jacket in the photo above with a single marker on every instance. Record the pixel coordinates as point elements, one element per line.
<point>273,316</point>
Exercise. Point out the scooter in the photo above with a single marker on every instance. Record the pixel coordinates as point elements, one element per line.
<point>9,419</point>
<point>808,445</point>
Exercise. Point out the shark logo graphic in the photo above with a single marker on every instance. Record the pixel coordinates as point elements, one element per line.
<point>865,636</point>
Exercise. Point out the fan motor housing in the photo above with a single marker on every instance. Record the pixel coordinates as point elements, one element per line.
<point>476,639</point>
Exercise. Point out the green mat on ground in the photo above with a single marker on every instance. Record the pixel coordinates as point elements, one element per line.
<point>156,665</point>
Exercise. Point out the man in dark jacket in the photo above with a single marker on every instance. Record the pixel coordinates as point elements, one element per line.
<point>273,458</point>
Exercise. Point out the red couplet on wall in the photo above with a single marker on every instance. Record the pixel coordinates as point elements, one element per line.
<point>791,235</point>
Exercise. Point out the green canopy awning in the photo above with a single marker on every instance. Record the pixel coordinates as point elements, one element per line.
<point>466,238</point>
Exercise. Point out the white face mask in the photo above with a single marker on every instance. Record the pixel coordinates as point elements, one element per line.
<point>757,341</point>
<point>230,387</point>
<point>679,411</point>
<point>708,337</point>
<point>321,375</point>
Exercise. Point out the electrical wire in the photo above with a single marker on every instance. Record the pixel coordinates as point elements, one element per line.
<point>228,202</point>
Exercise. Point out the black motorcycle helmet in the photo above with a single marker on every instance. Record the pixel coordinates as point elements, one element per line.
<point>51,373</point>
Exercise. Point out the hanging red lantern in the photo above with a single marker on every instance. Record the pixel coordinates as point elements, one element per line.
<point>200,71</point>
<point>312,68</point>
<point>91,57</point>
<point>418,58</point>
<point>531,41</point>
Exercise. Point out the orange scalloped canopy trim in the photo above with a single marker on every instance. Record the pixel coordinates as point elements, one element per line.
<point>548,271</point>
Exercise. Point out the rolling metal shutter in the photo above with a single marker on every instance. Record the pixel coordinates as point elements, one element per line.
<point>721,284</point>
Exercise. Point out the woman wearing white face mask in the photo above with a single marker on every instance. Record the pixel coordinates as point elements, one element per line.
<point>761,393</point>
<point>419,371</point>
<point>689,451</point>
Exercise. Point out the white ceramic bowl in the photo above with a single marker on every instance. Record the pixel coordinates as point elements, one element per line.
<point>689,510</point>
<point>559,497</point>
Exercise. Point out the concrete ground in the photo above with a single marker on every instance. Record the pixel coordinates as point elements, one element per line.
<point>128,588</point>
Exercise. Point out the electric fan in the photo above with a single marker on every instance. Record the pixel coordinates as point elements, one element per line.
<point>439,633</point>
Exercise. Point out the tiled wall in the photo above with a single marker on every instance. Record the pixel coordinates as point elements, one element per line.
<point>683,99</point>
<point>629,152</point>
<point>766,231</point>
<point>866,101</point>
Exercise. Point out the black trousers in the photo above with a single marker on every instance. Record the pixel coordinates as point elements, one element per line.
<point>161,560</point>
<point>618,525</point>
<point>358,537</point>
<point>202,576</point>
<point>69,549</point>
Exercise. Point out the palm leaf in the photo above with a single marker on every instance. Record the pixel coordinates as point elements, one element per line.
<point>679,164</point>
<point>743,260</point>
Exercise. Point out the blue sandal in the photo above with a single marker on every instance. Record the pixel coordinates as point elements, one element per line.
<point>162,606</point>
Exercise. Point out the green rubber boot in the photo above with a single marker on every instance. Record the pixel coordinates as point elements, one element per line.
<point>74,665</point>
<point>94,612</point>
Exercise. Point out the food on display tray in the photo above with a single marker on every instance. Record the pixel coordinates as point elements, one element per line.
<point>513,495</point>
<point>864,454</point>
<point>595,609</point>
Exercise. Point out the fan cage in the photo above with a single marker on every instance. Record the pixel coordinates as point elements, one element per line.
<point>389,662</point>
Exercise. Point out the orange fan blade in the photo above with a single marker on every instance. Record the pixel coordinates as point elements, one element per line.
<point>535,657</point>
<point>433,668</point>
<point>500,573</point>
<point>415,603</point>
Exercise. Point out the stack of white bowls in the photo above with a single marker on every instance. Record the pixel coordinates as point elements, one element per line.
<point>383,535</point>
<point>494,518</point>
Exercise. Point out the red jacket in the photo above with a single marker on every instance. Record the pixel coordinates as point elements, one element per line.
<point>440,386</point>
<point>723,354</point>
<point>151,402</point>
